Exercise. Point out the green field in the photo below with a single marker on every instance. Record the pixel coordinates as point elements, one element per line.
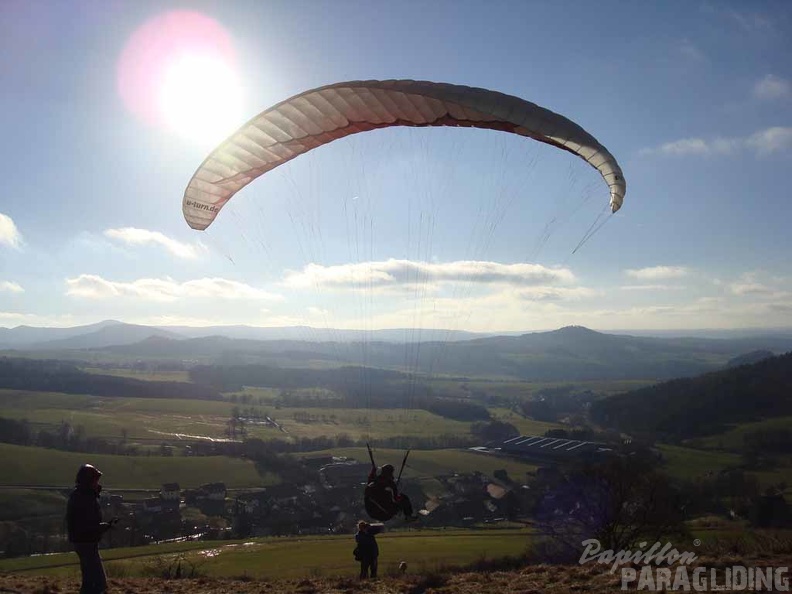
<point>522,390</point>
<point>166,419</point>
<point>733,439</point>
<point>294,556</point>
<point>31,466</point>
<point>524,426</point>
<point>155,420</point>
<point>108,418</point>
<point>691,464</point>
<point>17,504</point>
<point>163,419</point>
<point>151,376</point>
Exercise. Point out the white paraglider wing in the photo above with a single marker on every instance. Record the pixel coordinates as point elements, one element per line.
<point>322,115</point>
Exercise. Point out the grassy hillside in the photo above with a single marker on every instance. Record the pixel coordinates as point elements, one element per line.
<point>451,563</point>
<point>734,439</point>
<point>293,557</point>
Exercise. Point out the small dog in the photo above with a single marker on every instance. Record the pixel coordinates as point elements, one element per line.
<point>403,566</point>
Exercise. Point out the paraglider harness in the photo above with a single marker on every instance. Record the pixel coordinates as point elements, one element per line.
<point>379,502</point>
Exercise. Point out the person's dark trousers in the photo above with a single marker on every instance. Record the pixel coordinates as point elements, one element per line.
<point>366,566</point>
<point>94,580</point>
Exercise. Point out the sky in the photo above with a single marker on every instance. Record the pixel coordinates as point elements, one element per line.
<point>109,107</point>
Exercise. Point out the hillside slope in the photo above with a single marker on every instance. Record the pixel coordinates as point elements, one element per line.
<point>706,404</point>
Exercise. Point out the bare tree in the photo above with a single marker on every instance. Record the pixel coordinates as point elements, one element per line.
<point>618,501</point>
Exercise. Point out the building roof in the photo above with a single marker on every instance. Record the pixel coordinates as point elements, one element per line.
<point>549,447</point>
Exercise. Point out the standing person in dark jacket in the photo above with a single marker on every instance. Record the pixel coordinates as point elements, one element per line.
<point>85,528</point>
<point>367,549</point>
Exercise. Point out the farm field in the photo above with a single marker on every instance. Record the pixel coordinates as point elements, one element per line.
<point>164,419</point>
<point>290,557</point>
<point>524,425</point>
<point>152,376</point>
<point>525,389</point>
<point>31,466</point>
<point>733,439</point>
<point>689,463</point>
<point>167,419</point>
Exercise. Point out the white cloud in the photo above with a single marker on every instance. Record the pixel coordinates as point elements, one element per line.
<point>751,22</point>
<point>91,286</point>
<point>695,147</point>
<point>11,287</point>
<point>649,288</point>
<point>134,236</point>
<point>175,320</point>
<point>763,142</point>
<point>751,288</point>
<point>657,272</point>
<point>548,294</point>
<point>758,284</point>
<point>392,274</point>
<point>9,234</point>
<point>10,319</point>
<point>772,87</point>
<point>772,140</point>
<point>687,49</point>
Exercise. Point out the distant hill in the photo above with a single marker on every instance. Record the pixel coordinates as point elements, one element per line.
<point>749,358</point>
<point>703,405</point>
<point>573,353</point>
<point>310,334</point>
<point>92,336</point>
<point>568,354</point>
<point>110,335</point>
<point>25,336</point>
<point>60,376</point>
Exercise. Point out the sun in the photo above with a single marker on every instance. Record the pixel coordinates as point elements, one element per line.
<point>200,98</point>
<point>178,72</point>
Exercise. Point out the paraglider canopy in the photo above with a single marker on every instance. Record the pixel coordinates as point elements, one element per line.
<point>319,116</point>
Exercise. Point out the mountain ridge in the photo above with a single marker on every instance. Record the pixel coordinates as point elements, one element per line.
<point>572,353</point>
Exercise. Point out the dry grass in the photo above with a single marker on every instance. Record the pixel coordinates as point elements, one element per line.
<point>532,579</point>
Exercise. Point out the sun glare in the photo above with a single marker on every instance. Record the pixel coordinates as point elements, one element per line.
<point>178,72</point>
<point>200,98</point>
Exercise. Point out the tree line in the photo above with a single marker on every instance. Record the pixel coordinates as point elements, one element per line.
<point>58,376</point>
<point>703,405</point>
<point>67,437</point>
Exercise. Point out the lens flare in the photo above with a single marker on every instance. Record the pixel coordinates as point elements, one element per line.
<point>178,72</point>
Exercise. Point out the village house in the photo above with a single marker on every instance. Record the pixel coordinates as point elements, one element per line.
<point>170,495</point>
<point>170,492</point>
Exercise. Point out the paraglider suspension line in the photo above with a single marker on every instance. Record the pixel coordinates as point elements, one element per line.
<point>592,230</point>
